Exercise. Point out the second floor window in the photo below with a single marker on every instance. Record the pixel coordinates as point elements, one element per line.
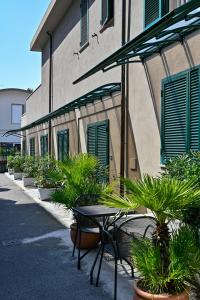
<point>16,113</point>
<point>154,10</point>
<point>107,11</point>
<point>84,22</point>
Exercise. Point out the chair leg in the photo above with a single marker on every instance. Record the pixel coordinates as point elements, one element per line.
<point>74,247</point>
<point>115,282</point>
<point>94,264</point>
<point>79,251</point>
<point>100,263</point>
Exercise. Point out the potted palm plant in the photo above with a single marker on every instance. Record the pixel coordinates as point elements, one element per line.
<point>46,184</point>
<point>170,261</point>
<point>81,177</point>
<point>29,171</point>
<point>18,163</point>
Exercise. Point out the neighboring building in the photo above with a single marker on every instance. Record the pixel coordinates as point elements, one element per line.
<point>12,106</point>
<point>78,38</point>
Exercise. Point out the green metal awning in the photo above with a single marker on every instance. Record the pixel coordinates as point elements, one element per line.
<point>98,93</point>
<point>173,27</point>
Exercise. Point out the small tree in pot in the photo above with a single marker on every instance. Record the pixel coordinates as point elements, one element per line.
<point>29,170</point>
<point>10,164</point>
<point>46,184</point>
<point>18,164</point>
<point>168,263</point>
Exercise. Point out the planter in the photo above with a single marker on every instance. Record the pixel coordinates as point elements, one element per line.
<point>17,176</point>
<point>10,171</point>
<point>89,240</point>
<point>45,193</point>
<point>28,181</point>
<point>142,295</point>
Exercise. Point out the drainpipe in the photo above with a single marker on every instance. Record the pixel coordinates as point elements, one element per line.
<point>123,102</point>
<point>50,88</point>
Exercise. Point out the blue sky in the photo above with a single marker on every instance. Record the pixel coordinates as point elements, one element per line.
<point>19,19</point>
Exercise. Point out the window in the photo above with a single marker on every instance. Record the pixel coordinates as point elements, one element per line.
<point>180,115</point>
<point>16,113</point>
<point>63,144</point>
<point>84,22</point>
<point>24,147</point>
<point>155,10</point>
<point>32,146</point>
<point>107,11</point>
<point>44,145</point>
<point>98,141</point>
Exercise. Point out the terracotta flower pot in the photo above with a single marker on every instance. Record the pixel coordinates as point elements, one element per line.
<point>89,240</point>
<point>142,295</point>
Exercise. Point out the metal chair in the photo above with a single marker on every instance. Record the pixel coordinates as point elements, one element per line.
<point>84,224</point>
<point>117,242</point>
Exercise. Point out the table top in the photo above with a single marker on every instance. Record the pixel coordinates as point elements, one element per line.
<point>96,211</point>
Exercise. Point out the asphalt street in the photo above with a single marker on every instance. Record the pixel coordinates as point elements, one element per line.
<point>34,261</point>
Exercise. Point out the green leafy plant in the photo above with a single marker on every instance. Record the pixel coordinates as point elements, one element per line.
<point>30,166</point>
<point>10,160</point>
<point>80,175</point>
<point>18,163</point>
<point>160,261</point>
<point>45,167</point>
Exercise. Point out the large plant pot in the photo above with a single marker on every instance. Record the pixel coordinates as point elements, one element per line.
<point>142,295</point>
<point>28,181</point>
<point>17,176</point>
<point>10,171</point>
<point>89,240</point>
<point>45,193</point>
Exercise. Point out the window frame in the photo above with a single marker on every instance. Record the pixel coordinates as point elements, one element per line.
<point>32,139</point>
<point>84,43</point>
<point>110,15</point>
<point>187,74</point>
<point>162,12</point>
<point>12,105</point>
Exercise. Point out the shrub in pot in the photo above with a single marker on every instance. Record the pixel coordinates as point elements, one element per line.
<point>29,170</point>
<point>81,176</point>
<point>170,261</point>
<point>46,184</point>
<point>18,163</point>
<point>10,164</point>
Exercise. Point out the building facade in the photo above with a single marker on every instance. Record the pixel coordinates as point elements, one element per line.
<point>12,106</point>
<point>116,114</point>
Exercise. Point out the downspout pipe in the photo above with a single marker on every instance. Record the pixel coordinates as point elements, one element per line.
<point>123,103</point>
<point>50,90</point>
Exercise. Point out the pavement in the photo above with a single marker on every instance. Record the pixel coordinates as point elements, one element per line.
<point>36,252</point>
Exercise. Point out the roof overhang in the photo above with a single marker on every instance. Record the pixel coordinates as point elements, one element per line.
<point>52,17</point>
<point>98,93</point>
<point>171,28</point>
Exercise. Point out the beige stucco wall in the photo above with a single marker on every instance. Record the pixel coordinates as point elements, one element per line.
<point>68,66</point>
<point>7,98</point>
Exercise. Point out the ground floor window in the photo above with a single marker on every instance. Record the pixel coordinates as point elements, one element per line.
<point>32,146</point>
<point>98,141</point>
<point>44,145</point>
<point>63,144</point>
<point>180,113</point>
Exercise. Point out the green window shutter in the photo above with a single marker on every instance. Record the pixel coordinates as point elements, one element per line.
<point>91,139</point>
<point>107,11</point>
<point>194,109</point>
<point>154,10</point>
<point>63,144</point>
<point>44,145</point>
<point>103,143</point>
<point>84,22</point>
<point>174,117</point>
<point>32,146</point>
